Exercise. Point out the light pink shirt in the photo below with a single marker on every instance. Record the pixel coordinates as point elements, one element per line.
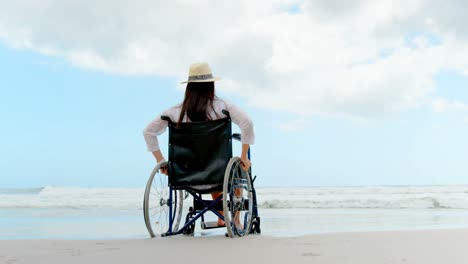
<point>238,117</point>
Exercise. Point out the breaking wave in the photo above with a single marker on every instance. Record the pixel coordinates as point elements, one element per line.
<point>383,197</point>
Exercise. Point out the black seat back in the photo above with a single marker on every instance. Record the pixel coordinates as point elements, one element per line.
<point>198,154</point>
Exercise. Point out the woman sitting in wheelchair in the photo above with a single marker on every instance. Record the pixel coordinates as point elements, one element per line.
<point>200,104</point>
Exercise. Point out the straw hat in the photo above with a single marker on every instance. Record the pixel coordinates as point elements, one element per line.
<point>201,72</point>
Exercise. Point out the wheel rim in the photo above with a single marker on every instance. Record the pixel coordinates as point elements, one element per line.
<point>237,199</point>
<point>157,201</point>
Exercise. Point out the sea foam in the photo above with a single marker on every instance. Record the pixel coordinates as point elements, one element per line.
<point>379,197</point>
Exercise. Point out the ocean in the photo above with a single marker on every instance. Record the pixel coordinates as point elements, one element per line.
<point>55,212</point>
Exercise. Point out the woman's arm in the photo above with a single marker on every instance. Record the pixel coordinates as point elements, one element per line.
<point>244,157</point>
<point>244,122</point>
<point>151,133</point>
<point>155,128</point>
<point>241,119</point>
<point>158,155</point>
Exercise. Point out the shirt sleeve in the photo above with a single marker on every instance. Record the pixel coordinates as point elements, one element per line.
<point>153,130</point>
<point>241,119</point>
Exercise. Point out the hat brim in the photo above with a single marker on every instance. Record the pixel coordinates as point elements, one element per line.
<point>207,80</point>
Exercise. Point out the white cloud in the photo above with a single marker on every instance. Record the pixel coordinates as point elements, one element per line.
<point>294,125</point>
<point>358,59</point>
<point>443,105</point>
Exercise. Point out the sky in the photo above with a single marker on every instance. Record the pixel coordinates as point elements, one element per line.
<point>356,93</point>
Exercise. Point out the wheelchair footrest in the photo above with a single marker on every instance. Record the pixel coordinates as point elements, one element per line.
<point>210,225</point>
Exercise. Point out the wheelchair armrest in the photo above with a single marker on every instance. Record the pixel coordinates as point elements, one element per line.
<point>166,118</point>
<point>237,136</point>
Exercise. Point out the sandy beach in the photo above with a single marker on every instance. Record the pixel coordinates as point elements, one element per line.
<point>428,246</point>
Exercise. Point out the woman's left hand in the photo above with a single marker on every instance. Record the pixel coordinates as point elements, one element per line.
<point>164,170</point>
<point>245,163</point>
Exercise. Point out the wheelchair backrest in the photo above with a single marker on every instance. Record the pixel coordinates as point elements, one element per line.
<point>199,153</point>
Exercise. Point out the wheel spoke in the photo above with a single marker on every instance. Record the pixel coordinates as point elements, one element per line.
<point>157,204</point>
<point>238,199</point>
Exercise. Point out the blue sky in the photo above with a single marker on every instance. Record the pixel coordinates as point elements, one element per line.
<point>362,93</point>
<point>66,126</point>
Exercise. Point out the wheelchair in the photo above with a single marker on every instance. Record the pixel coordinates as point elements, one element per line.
<point>200,162</point>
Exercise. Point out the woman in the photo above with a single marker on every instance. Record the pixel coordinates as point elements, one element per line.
<point>200,104</point>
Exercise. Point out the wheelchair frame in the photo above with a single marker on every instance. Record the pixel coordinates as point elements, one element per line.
<point>226,202</point>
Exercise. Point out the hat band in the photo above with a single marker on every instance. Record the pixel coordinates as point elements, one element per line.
<point>200,77</point>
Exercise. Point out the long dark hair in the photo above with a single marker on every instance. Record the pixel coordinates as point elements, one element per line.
<point>198,98</point>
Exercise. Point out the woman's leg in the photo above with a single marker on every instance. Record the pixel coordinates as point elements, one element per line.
<point>237,222</point>
<point>216,196</point>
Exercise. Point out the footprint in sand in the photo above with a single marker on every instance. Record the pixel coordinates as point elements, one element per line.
<point>310,244</point>
<point>11,261</point>
<point>73,251</point>
<point>112,248</point>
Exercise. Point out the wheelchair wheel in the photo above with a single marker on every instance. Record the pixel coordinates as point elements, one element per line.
<point>156,203</point>
<point>237,199</point>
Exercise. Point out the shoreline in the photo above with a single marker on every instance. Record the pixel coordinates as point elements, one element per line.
<point>416,246</point>
<point>56,224</point>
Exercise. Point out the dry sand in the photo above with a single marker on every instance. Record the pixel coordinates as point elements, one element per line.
<point>424,247</point>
